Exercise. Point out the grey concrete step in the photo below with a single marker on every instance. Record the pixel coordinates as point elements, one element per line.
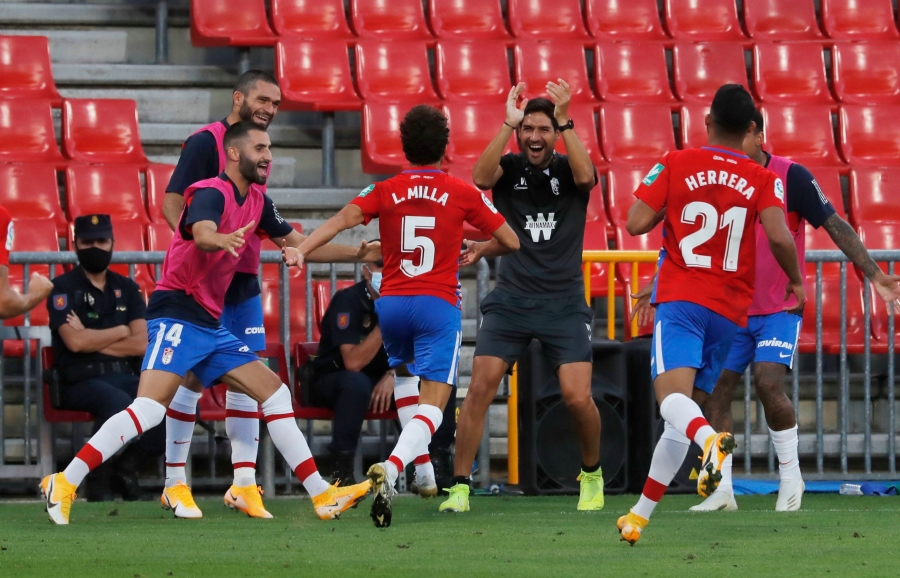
<point>150,75</point>
<point>81,46</point>
<point>155,105</point>
<point>282,174</point>
<point>312,199</point>
<point>69,14</point>
<point>175,133</point>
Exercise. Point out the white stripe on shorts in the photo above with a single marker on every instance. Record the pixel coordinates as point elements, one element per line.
<point>796,344</point>
<point>159,338</point>
<point>657,336</point>
<point>452,374</point>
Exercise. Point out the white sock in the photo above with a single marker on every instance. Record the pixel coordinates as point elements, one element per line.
<point>141,415</point>
<point>668,456</point>
<point>287,437</point>
<point>242,428</point>
<point>416,435</point>
<point>180,419</point>
<point>685,416</point>
<point>406,398</point>
<point>786,443</point>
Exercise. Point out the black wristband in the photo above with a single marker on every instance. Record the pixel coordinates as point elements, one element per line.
<point>509,125</point>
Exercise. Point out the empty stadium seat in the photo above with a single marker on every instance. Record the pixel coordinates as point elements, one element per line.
<point>159,236</point>
<point>472,72</point>
<point>30,235</point>
<point>158,177</point>
<point>596,238</point>
<point>707,21</point>
<point>867,72</point>
<point>873,195</point>
<point>700,69</point>
<point>102,131</point>
<point>693,125</point>
<point>582,114</point>
<point>541,20</point>
<point>473,20</point>
<point>394,71</point>
<point>632,72</point>
<point>25,70</point>
<point>468,135</point>
<point>270,300</point>
<point>29,191</point>
<point>859,19</point>
<point>780,20</point>
<point>870,135</point>
<point>636,135</point>
<point>111,189</point>
<point>792,73</point>
<point>230,23</point>
<point>614,20</point>
<point>389,20</point>
<point>379,133</point>
<point>315,75</point>
<point>26,132</point>
<point>462,172</point>
<point>801,133</point>
<point>537,63</point>
<point>318,19</point>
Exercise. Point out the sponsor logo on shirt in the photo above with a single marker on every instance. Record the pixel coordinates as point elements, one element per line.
<point>277,215</point>
<point>540,227</point>
<point>255,331</point>
<point>822,196</point>
<point>10,237</point>
<point>522,186</point>
<point>244,349</point>
<point>366,191</point>
<point>774,342</point>
<point>654,172</point>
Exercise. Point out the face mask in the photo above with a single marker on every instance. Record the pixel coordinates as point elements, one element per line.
<point>376,282</point>
<point>94,259</point>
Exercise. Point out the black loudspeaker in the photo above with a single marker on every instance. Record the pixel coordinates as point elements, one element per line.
<point>549,452</point>
<point>645,425</point>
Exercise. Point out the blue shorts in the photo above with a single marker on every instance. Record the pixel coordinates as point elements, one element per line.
<point>690,335</point>
<point>178,347</point>
<point>245,321</point>
<point>423,331</point>
<point>771,338</point>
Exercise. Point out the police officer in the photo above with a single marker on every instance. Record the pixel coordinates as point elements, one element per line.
<point>99,335</point>
<point>540,290</point>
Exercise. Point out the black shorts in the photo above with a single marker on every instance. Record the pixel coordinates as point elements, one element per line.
<point>562,325</point>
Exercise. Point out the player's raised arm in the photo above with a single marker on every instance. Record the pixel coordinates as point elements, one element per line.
<point>583,171</point>
<point>785,251</point>
<point>487,171</point>
<point>348,217</point>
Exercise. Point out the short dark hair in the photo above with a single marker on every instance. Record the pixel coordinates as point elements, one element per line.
<point>424,134</point>
<point>732,109</point>
<point>248,80</point>
<point>544,105</point>
<point>758,119</point>
<point>238,131</point>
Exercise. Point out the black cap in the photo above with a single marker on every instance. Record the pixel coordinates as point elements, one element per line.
<point>90,227</point>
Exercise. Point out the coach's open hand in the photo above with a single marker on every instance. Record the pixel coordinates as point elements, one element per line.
<point>231,241</point>
<point>291,255</point>
<point>515,114</point>
<point>642,308</point>
<point>369,252</point>
<point>472,253</point>
<point>560,94</point>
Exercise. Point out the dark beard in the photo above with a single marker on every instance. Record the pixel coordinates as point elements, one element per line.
<point>247,169</point>
<point>247,116</point>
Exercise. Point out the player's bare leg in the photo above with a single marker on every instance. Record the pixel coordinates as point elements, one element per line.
<point>575,386</point>
<point>487,373</point>
<point>717,409</point>
<point>260,383</point>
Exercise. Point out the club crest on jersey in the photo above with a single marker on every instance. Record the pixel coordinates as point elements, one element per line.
<point>168,352</point>
<point>60,302</point>
<point>117,293</point>
<point>366,191</point>
<point>489,204</point>
<point>654,172</point>
<point>554,185</point>
<point>779,190</point>
<point>343,320</point>
<point>10,237</point>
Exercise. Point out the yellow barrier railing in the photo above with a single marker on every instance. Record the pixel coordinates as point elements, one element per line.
<point>588,257</point>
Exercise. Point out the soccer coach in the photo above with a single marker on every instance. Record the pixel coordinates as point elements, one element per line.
<point>540,289</point>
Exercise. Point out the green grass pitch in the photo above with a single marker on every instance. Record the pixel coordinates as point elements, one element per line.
<point>503,536</point>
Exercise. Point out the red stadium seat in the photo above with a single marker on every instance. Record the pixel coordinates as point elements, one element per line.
<point>322,295</point>
<point>780,20</point>
<point>380,136</point>
<point>159,236</point>
<point>700,69</point>
<point>394,71</point>
<point>582,115</point>
<point>792,73</point>
<point>859,20</point>
<point>315,75</point>
<point>468,137</point>
<point>870,135</point>
<point>537,63</point>
<point>873,195</point>
<point>111,189</point>
<point>25,70</point>
<point>596,238</point>
<point>29,191</point>
<point>158,177</point>
<point>298,298</point>
<point>707,21</point>
<point>102,131</point>
<point>541,20</point>
<point>313,19</point>
<point>613,20</point>
<point>801,133</point>
<point>693,125</point>
<point>30,235</point>
<point>230,23</point>
<point>26,132</point>
<point>472,72</point>
<point>621,183</point>
<point>394,20</point>
<point>626,72</point>
<point>473,20</point>
<point>635,135</point>
<point>462,172</point>
<point>867,72</point>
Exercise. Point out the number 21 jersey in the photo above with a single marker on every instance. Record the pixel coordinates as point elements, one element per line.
<point>421,214</point>
<point>713,197</point>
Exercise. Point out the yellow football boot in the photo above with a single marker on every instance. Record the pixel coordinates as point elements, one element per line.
<point>247,499</point>
<point>179,499</point>
<point>336,499</point>
<point>715,450</point>
<point>59,494</point>
<point>631,526</point>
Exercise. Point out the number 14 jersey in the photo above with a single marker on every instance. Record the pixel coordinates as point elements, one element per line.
<point>421,214</point>
<point>713,197</point>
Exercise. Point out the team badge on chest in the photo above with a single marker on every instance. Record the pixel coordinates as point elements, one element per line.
<point>554,185</point>
<point>168,352</point>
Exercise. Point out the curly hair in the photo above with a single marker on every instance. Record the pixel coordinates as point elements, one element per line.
<point>424,135</point>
